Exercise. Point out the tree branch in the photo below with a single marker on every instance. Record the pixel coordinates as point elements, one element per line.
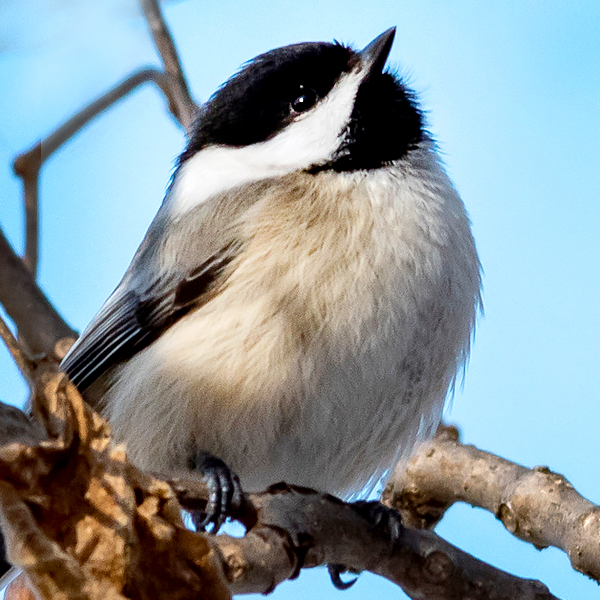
<point>32,225</point>
<point>183,106</point>
<point>536,505</point>
<point>37,155</point>
<point>77,515</point>
<point>299,528</point>
<point>16,350</point>
<point>29,164</point>
<point>37,321</point>
<point>41,327</point>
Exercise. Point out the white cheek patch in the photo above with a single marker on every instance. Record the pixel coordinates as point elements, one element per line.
<point>311,139</point>
<point>314,136</point>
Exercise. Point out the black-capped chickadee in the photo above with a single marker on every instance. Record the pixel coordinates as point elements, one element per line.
<point>307,292</point>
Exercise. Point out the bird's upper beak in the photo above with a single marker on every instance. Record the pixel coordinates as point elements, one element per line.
<point>374,55</point>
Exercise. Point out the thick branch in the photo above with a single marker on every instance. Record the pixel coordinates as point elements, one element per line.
<point>74,506</point>
<point>183,106</point>
<point>42,328</point>
<point>298,528</point>
<point>536,505</point>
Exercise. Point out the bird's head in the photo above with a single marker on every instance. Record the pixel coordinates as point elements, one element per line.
<point>313,106</point>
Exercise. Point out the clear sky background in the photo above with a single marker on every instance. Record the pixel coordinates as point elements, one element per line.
<point>512,91</point>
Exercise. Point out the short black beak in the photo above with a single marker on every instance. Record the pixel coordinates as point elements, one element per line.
<point>373,57</point>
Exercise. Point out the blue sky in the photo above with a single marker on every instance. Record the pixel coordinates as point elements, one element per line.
<point>512,91</point>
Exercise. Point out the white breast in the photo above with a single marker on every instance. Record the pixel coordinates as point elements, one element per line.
<point>333,345</point>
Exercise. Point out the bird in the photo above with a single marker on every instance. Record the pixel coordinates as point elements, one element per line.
<point>303,302</point>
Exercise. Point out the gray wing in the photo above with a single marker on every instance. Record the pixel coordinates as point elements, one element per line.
<point>169,276</point>
<point>131,320</point>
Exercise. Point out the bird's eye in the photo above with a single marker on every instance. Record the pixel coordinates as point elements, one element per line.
<point>306,99</point>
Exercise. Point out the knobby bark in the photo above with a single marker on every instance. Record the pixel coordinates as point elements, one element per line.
<point>82,522</point>
<point>536,505</point>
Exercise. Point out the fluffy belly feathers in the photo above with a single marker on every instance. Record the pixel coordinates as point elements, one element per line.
<point>319,363</point>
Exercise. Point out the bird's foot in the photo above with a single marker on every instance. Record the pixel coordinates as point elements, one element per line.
<point>225,495</point>
<point>385,520</point>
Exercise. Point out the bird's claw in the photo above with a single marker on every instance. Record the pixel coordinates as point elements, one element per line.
<point>335,572</point>
<point>225,495</point>
<point>385,520</point>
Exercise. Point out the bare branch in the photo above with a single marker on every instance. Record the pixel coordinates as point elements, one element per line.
<point>125,531</point>
<point>36,156</point>
<point>184,107</point>
<point>37,321</point>
<point>17,352</point>
<point>536,505</point>
<point>30,193</point>
<point>41,327</point>
<point>299,528</point>
<point>28,165</point>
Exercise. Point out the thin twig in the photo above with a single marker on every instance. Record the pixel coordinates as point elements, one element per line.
<point>30,192</point>
<point>36,156</point>
<point>16,350</point>
<point>185,108</point>
<point>28,165</point>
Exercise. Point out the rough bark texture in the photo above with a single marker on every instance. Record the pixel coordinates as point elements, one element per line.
<point>82,522</point>
<point>40,325</point>
<point>536,505</point>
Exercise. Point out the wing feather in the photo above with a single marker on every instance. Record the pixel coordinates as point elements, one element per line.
<point>130,320</point>
<point>170,275</point>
